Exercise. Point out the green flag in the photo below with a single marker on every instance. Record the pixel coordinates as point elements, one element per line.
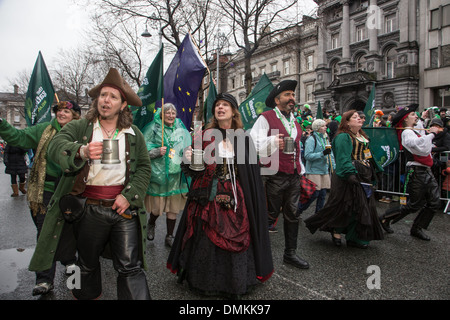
<point>255,104</point>
<point>151,92</point>
<point>212,94</point>
<point>40,94</point>
<point>369,110</point>
<point>383,144</point>
<point>319,114</point>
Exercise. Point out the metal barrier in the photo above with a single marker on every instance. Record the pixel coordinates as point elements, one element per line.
<point>393,178</point>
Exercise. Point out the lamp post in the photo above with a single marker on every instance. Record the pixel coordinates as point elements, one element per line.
<point>221,39</point>
<point>147,34</point>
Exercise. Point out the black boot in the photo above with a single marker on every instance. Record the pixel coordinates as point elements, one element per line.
<point>418,233</point>
<point>392,216</point>
<point>290,236</point>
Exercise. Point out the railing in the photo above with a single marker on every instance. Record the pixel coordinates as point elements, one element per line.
<point>393,178</point>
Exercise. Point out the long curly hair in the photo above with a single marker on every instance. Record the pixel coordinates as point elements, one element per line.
<point>124,121</point>
<point>343,126</point>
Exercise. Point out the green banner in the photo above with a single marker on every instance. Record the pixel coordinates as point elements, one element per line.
<point>369,109</point>
<point>40,94</point>
<point>212,94</point>
<point>255,104</point>
<point>383,144</point>
<point>319,114</point>
<point>151,92</point>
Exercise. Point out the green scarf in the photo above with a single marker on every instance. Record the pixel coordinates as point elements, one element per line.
<point>35,192</point>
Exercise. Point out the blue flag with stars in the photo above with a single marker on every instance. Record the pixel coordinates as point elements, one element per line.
<point>183,79</point>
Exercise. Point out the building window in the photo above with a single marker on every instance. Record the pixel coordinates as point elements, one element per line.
<point>309,62</point>
<point>274,67</point>
<point>446,16</point>
<point>262,71</point>
<point>286,67</point>
<point>335,41</point>
<point>334,70</point>
<point>441,97</point>
<point>361,63</point>
<point>434,58</point>
<point>389,23</point>
<point>233,83</point>
<point>360,33</point>
<point>434,23</point>
<point>445,51</point>
<point>242,80</point>
<point>391,63</point>
<point>309,92</point>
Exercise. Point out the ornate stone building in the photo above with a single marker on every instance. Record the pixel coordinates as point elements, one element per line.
<point>12,108</point>
<point>434,53</point>
<point>400,46</point>
<point>289,54</point>
<point>364,43</point>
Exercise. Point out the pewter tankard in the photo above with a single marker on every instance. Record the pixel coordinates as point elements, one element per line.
<point>110,153</point>
<point>197,162</point>
<point>288,145</point>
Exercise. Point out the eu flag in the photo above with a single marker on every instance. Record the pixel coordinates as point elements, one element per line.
<point>183,79</point>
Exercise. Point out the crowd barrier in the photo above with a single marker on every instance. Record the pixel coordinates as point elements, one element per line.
<point>392,182</point>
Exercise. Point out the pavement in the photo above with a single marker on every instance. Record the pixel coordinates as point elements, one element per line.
<point>400,267</point>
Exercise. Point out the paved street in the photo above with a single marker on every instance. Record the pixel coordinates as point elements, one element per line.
<point>409,269</point>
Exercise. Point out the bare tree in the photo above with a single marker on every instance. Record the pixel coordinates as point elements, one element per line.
<point>72,74</point>
<point>253,21</point>
<point>117,42</point>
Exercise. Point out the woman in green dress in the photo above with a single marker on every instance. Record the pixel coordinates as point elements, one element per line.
<point>43,179</point>
<point>351,207</point>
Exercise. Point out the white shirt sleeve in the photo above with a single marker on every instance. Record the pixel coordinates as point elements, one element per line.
<point>420,146</point>
<point>265,145</point>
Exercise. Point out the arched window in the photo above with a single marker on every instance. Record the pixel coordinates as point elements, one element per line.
<point>390,63</point>
<point>360,62</point>
<point>334,70</point>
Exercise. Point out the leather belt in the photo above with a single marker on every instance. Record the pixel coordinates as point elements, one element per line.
<point>100,202</point>
<point>108,204</point>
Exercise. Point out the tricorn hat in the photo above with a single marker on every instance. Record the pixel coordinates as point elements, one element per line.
<point>401,114</point>
<point>114,79</point>
<point>284,85</point>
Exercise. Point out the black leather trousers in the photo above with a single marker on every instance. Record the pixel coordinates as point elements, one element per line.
<point>424,195</point>
<point>99,226</point>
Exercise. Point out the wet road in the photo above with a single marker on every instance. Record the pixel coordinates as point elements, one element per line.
<point>408,268</point>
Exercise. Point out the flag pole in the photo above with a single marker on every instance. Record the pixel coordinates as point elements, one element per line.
<point>162,117</point>
<point>56,96</point>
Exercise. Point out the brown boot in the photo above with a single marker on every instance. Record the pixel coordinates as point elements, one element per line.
<point>22,188</point>
<point>15,188</point>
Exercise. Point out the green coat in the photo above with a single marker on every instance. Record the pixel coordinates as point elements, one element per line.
<point>63,150</point>
<point>343,148</point>
<point>29,138</point>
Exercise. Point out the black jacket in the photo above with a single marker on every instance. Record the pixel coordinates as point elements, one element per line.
<point>441,141</point>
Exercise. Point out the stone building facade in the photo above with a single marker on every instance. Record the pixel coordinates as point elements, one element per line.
<point>402,47</point>
<point>12,108</point>
<point>287,55</point>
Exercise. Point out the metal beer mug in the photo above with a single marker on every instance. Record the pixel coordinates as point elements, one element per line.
<point>288,145</point>
<point>197,163</point>
<point>110,153</point>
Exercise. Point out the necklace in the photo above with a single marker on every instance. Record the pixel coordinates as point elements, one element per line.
<point>109,133</point>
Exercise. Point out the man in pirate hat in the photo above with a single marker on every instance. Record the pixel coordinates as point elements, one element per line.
<point>114,217</point>
<point>422,187</point>
<point>283,184</point>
